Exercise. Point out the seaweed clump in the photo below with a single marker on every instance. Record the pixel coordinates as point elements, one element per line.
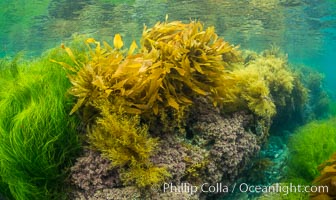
<point>326,181</point>
<point>131,99</point>
<point>319,99</point>
<point>279,89</point>
<point>164,77</point>
<point>38,138</point>
<point>118,135</point>
<point>282,88</point>
<point>120,138</point>
<point>308,149</point>
<point>191,61</point>
<point>177,61</point>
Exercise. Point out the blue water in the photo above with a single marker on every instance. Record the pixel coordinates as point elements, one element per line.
<point>305,24</point>
<point>304,29</point>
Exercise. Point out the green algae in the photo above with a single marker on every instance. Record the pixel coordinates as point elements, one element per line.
<point>310,146</point>
<point>38,138</point>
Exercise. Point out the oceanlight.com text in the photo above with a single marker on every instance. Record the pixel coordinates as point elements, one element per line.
<point>242,187</point>
<point>284,189</point>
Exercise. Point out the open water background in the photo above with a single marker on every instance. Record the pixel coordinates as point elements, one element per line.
<point>304,29</point>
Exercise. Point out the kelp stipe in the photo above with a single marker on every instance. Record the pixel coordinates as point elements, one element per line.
<point>38,138</point>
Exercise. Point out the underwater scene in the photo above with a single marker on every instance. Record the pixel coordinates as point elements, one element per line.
<point>167,99</point>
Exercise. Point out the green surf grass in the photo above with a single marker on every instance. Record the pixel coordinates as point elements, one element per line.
<point>38,137</point>
<point>309,147</point>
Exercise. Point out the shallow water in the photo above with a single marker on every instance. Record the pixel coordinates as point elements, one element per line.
<point>304,29</point>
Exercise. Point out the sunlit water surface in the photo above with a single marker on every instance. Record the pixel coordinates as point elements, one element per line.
<point>304,29</point>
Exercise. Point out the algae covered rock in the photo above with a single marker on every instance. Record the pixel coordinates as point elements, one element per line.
<point>217,151</point>
<point>182,109</point>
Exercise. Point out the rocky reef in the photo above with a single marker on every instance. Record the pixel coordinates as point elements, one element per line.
<point>215,149</point>
<point>172,118</point>
<point>187,111</point>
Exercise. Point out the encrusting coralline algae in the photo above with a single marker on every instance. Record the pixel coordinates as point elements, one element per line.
<point>223,143</point>
<point>186,109</point>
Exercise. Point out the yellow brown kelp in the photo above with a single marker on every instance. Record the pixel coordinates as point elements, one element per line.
<point>253,89</point>
<point>252,93</point>
<point>185,61</point>
<point>277,75</point>
<point>267,84</point>
<point>91,79</point>
<point>191,61</point>
<point>176,64</point>
<point>286,86</point>
<point>116,134</point>
<point>177,61</point>
<point>122,139</point>
<point>326,182</point>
